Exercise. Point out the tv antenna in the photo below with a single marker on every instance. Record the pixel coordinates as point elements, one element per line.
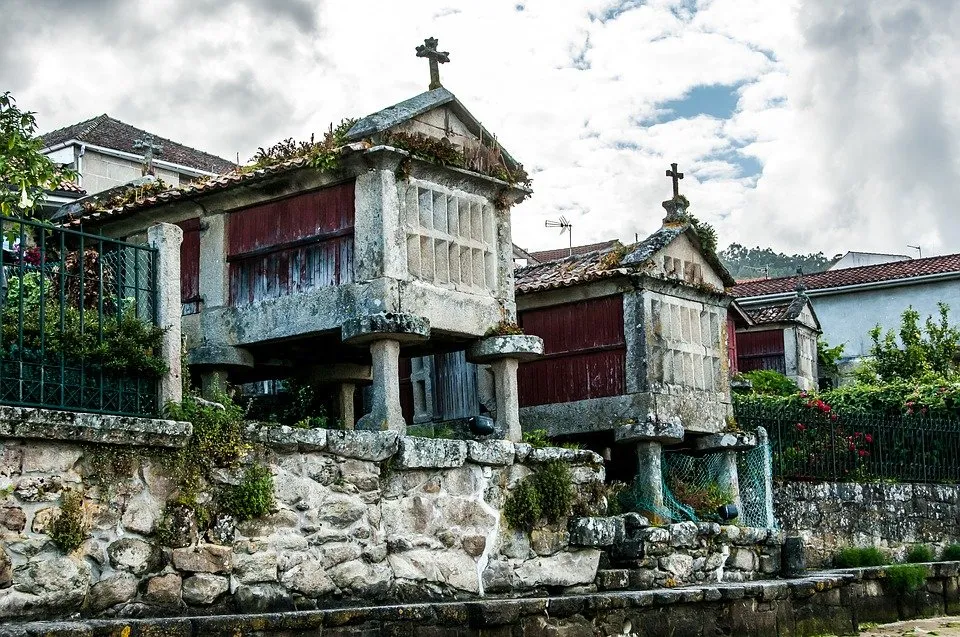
<point>763,268</point>
<point>917,248</point>
<point>564,226</point>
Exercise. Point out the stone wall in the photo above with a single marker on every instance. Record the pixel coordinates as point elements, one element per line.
<point>832,516</point>
<point>642,557</point>
<point>358,515</point>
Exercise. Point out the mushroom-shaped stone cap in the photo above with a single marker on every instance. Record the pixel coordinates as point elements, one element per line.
<point>651,430</point>
<point>395,326</point>
<point>522,347</point>
<point>727,441</point>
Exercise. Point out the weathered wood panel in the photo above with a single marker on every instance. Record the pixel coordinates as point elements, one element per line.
<point>732,345</point>
<point>761,350</point>
<point>291,245</point>
<point>454,387</point>
<point>190,266</point>
<point>584,352</point>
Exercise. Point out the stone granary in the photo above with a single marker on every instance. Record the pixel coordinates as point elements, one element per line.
<point>329,259</point>
<point>635,349</point>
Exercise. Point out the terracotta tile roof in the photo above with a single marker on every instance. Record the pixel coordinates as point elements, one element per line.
<point>66,185</point>
<point>778,312</point>
<point>852,276</point>
<point>562,253</point>
<point>108,132</point>
<point>580,268</point>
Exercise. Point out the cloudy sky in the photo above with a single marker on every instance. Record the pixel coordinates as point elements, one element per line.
<point>818,125</point>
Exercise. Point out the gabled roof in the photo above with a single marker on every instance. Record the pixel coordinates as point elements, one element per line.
<point>561,253</point>
<point>786,312</point>
<point>108,132</point>
<point>644,251</point>
<point>573,270</point>
<point>392,116</point>
<point>883,272</point>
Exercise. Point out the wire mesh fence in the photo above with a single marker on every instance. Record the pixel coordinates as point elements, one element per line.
<point>78,321</point>
<point>808,444</point>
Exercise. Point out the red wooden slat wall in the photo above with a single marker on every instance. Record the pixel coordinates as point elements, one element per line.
<point>760,350</point>
<point>190,266</point>
<point>584,352</point>
<point>291,245</point>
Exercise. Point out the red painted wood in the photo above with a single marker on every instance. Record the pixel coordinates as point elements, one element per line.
<point>585,352</point>
<point>291,245</point>
<point>190,266</point>
<point>760,350</point>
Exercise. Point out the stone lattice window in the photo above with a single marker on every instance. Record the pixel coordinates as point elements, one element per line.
<point>686,345</point>
<point>450,238</point>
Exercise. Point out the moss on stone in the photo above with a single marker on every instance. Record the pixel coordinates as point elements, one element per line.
<point>68,531</point>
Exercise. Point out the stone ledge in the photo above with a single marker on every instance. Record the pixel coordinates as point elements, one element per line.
<point>650,431</point>
<point>48,424</point>
<point>430,453</point>
<point>287,438</point>
<point>727,441</point>
<point>522,347</point>
<point>386,325</point>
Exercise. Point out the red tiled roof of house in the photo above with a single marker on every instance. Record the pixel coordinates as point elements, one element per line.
<point>571,270</point>
<point>66,185</point>
<point>852,276</point>
<point>562,253</point>
<point>108,132</point>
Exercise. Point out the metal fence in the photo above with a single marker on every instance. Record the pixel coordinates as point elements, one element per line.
<point>78,321</point>
<point>808,444</point>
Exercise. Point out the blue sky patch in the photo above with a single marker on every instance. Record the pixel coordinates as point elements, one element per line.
<point>718,100</point>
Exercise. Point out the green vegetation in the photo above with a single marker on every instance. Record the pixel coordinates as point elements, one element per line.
<point>25,172</point>
<point>951,553</point>
<point>919,553</point>
<point>253,497</point>
<point>504,328</point>
<point>922,351</point>
<point>704,500</point>
<point>750,263</point>
<point>828,358</point>
<point>767,382</point>
<point>323,154</point>
<point>431,431</point>
<point>858,557</point>
<point>545,495</point>
<point>906,578</point>
<point>68,531</point>
<point>536,438</point>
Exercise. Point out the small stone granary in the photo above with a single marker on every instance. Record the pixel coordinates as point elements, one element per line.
<point>328,260</point>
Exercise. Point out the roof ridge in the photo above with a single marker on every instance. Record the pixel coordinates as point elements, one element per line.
<point>859,267</point>
<point>165,139</point>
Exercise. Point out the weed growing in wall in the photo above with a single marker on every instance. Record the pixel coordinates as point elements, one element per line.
<point>856,557</point>
<point>906,578</point>
<point>522,507</point>
<point>67,531</point>
<point>919,553</point>
<point>545,495</point>
<point>951,553</point>
<point>253,497</point>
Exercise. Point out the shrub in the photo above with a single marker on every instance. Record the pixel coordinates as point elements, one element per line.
<point>906,578</point>
<point>951,553</point>
<point>770,383</point>
<point>554,486</point>
<point>536,438</point>
<point>857,557</point>
<point>919,553</point>
<point>253,497</point>
<point>522,507</point>
<point>67,530</point>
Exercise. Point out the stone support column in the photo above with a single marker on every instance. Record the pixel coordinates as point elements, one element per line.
<point>504,354</point>
<point>213,262</point>
<point>384,333</point>
<point>649,438</point>
<point>166,238</point>
<point>763,440</point>
<point>728,444</point>
<point>345,399</point>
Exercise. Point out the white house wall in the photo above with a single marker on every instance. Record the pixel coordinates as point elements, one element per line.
<point>103,171</point>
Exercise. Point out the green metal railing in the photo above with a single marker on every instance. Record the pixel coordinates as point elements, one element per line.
<point>78,316</point>
<point>810,445</point>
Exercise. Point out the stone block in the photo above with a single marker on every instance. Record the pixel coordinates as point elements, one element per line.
<point>135,555</point>
<point>373,446</point>
<point>47,424</point>
<point>491,452</point>
<point>263,598</point>
<point>13,518</point>
<point>256,567</point>
<point>562,569</point>
<point>113,590</point>
<point>430,453</point>
<point>683,534</point>
<point>521,347</point>
<point>6,570</point>
<point>742,559</point>
<point>386,325</point>
<point>613,579</point>
<point>286,438</point>
<point>650,430</point>
<point>727,441</point>
<point>205,558</point>
<point>203,588</point>
<point>164,590</point>
<point>597,531</point>
<point>678,565</point>
<point>547,541</point>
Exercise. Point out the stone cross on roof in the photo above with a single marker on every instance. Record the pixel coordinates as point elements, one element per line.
<point>429,50</point>
<point>677,176</point>
<point>147,142</point>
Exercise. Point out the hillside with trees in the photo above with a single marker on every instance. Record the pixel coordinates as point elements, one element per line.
<point>752,263</point>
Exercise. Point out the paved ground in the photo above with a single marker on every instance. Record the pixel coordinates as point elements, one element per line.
<point>942,626</point>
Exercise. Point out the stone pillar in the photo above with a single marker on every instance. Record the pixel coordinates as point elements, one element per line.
<point>386,413</point>
<point>384,333</point>
<point>345,399</point>
<point>763,440</point>
<point>728,444</point>
<point>504,354</point>
<point>649,438</point>
<point>213,263</point>
<point>166,238</point>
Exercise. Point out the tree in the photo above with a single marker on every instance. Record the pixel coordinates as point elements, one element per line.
<point>25,172</point>
<point>931,348</point>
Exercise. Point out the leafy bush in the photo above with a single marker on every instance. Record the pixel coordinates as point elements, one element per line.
<point>554,486</point>
<point>768,382</point>
<point>253,497</point>
<point>915,350</point>
<point>67,531</point>
<point>828,357</point>
<point>857,557</point>
<point>907,578</point>
<point>536,438</point>
<point>522,507</point>
<point>951,553</point>
<point>919,553</point>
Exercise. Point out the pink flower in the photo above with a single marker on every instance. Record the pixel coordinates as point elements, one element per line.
<point>864,453</point>
<point>800,427</point>
<point>868,438</point>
